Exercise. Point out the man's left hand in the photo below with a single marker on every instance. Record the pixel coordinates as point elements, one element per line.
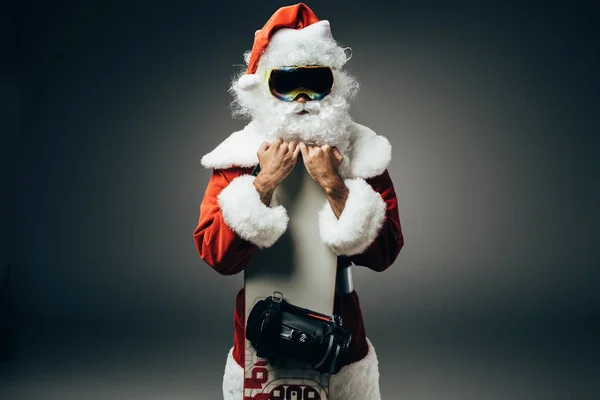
<point>322,163</point>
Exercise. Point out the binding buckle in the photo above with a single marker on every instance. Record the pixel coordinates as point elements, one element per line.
<point>277,296</point>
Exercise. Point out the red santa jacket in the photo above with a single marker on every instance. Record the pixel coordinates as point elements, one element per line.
<point>369,235</point>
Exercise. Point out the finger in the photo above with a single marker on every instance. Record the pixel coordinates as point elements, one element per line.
<point>274,145</point>
<point>292,145</point>
<point>284,148</point>
<point>338,155</point>
<point>296,152</point>
<point>263,147</point>
<point>304,149</point>
<point>326,148</point>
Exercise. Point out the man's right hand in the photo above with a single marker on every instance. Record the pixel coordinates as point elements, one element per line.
<point>277,160</point>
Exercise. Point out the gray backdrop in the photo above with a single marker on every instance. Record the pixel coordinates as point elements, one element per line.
<point>492,111</point>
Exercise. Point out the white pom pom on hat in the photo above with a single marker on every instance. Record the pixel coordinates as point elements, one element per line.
<point>248,81</point>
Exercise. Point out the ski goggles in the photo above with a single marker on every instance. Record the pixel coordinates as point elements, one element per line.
<point>315,81</point>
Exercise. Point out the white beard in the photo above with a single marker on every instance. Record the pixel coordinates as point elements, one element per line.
<point>327,120</point>
<point>323,124</point>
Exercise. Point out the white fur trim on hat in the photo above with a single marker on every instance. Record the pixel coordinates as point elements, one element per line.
<point>288,37</point>
<point>358,224</point>
<point>312,45</point>
<point>248,216</point>
<point>356,381</point>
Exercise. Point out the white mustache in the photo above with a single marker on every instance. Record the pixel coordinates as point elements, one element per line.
<point>312,107</point>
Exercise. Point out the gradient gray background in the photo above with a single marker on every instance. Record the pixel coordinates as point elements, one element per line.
<point>493,114</point>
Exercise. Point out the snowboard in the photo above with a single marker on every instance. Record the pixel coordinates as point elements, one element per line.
<point>301,267</point>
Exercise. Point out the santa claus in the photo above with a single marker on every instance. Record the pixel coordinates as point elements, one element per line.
<point>296,95</point>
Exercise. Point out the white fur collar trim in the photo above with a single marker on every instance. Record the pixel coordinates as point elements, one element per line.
<point>239,149</point>
<point>369,154</point>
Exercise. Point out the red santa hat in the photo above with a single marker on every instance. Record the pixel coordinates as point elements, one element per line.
<point>286,27</point>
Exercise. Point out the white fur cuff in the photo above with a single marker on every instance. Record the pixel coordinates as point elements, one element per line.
<point>359,223</point>
<point>248,216</point>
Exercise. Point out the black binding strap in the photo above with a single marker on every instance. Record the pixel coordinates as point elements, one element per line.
<point>268,334</point>
<point>278,330</point>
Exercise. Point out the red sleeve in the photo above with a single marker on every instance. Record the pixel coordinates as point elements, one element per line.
<point>218,245</point>
<point>385,248</point>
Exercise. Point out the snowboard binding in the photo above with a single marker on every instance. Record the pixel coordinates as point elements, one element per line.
<point>278,329</point>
